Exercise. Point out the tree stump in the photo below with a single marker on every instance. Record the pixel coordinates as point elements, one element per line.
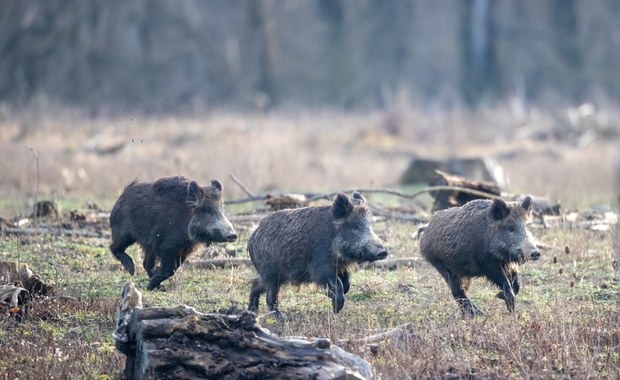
<point>454,198</point>
<point>181,343</point>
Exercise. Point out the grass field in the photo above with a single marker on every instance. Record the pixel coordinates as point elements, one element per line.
<point>566,323</point>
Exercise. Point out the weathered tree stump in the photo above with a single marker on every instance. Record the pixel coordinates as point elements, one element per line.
<point>422,170</point>
<point>18,286</point>
<point>454,198</point>
<point>181,343</point>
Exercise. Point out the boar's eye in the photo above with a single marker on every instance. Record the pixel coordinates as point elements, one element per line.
<point>511,228</point>
<point>206,210</point>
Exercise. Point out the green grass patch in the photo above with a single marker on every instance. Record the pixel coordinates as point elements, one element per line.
<point>565,325</point>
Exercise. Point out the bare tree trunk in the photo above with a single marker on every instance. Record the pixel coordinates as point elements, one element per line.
<point>479,68</point>
<point>564,23</point>
<point>263,33</point>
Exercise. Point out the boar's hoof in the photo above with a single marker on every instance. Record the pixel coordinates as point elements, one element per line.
<point>128,264</point>
<point>280,316</point>
<point>155,283</point>
<point>473,312</point>
<point>470,310</point>
<point>502,296</point>
<point>157,288</point>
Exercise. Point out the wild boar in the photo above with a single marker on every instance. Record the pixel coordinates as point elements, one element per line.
<point>483,238</point>
<point>168,219</point>
<point>313,245</point>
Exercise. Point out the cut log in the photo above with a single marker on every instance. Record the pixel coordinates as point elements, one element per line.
<point>181,343</point>
<point>454,198</point>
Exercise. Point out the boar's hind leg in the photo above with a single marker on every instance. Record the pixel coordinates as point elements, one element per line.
<point>257,289</point>
<point>458,287</point>
<point>118,246</point>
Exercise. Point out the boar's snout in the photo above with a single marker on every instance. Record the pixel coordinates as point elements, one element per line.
<point>533,254</point>
<point>382,254</point>
<point>225,234</point>
<point>218,233</point>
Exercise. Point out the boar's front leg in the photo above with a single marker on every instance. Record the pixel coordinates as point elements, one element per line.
<point>160,274</point>
<point>149,261</point>
<point>458,287</point>
<point>513,277</point>
<point>169,263</point>
<point>336,293</point>
<point>495,273</point>
<point>344,276</point>
<point>257,289</point>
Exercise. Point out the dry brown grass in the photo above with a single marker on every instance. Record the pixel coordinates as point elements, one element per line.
<point>300,152</point>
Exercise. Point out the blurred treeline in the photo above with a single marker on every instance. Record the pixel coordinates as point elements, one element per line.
<point>168,55</point>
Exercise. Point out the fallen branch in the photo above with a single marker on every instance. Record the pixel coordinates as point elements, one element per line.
<point>391,264</point>
<point>401,194</point>
<point>396,215</point>
<point>219,263</point>
<point>388,264</point>
<point>62,232</point>
<point>238,182</point>
<point>316,196</point>
<point>246,218</point>
<point>400,331</point>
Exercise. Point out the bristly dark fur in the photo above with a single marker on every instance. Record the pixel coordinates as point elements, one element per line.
<point>168,218</point>
<point>312,245</point>
<point>483,238</point>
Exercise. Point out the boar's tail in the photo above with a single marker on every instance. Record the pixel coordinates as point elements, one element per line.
<point>421,231</point>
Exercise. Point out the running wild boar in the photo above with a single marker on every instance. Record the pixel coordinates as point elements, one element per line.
<point>483,238</point>
<point>313,245</point>
<point>168,219</point>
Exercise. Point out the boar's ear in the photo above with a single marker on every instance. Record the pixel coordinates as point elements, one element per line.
<point>527,204</point>
<point>342,206</point>
<point>499,209</point>
<point>358,199</point>
<point>217,184</point>
<point>193,194</point>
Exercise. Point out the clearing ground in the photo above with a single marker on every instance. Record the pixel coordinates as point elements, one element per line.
<point>566,324</point>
